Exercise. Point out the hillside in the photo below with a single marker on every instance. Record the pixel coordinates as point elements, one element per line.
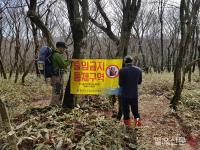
<point>91,126</point>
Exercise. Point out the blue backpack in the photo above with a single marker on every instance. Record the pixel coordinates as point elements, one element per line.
<point>44,61</point>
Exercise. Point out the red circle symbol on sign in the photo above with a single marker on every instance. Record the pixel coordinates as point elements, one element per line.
<point>112,71</point>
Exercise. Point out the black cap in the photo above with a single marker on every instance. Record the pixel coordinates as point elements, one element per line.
<point>128,59</point>
<point>60,45</point>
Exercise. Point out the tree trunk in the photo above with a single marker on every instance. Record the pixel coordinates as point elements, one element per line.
<point>79,34</point>
<point>196,47</point>
<point>17,51</point>
<point>130,10</point>
<point>199,58</point>
<point>122,49</point>
<point>146,69</point>
<point>27,71</point>
<point>169,55</point>
<point>10,57</point>
<point>36,43</point>
<point>161,34</point>
<point>183,46</point>
<point>192,47</point>
<point>152,57</point>
<point>173,59</point>
<point>179,61</point>
<point>39,23</point>
<point>2,70</point>
<point>16,67</point>
<point>12,139</point>
<point>195,57</point>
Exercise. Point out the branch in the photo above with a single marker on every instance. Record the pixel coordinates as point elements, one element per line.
<point>39,23</point>
<point>103,14</point>
<point>12,139</point>
<point>188,66</point>
<point>109,33</point>
<point>48,8</point>
<point>97,24</point>
<point>135,6</point>
<point>106,29</point>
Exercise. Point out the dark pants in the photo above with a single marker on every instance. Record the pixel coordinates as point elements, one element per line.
<point>126,104</point>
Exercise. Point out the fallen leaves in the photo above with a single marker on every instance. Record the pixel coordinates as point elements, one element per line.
<point>18,96</point>
<point>90,125</point>
<point>53,128</point>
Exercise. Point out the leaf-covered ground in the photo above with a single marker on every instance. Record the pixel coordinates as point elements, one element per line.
<point>91,126</point>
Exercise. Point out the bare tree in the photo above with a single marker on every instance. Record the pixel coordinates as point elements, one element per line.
<point>172,30</point>
<point>193,46</point>
<point>199,58</point>
<point>161,9</point>
<point>129,10</point>
<point>142,25</point>
<point>26,68</point>
<point>32,14</point>
<point>15,15</point>
<point>187,15</point>
<point>79,28</point>
<point>2,68</point>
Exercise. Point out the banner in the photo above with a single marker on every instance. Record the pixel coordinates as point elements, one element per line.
<point>95,76</point>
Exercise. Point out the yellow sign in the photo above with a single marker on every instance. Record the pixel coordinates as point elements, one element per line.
<point>94,76</point>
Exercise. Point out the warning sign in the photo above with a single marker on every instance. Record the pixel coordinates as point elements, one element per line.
<point>112,71</point>
<point>94,76</point>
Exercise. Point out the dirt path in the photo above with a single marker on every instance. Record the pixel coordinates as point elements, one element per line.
<point>161,130</point>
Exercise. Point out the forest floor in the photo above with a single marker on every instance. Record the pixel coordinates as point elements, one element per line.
<point>91,126</point>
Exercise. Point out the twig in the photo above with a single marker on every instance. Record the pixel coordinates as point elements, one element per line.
<point>12,139</point>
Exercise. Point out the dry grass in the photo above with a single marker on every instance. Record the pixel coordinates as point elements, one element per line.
<point>19,97</point>
<point>155,93</point>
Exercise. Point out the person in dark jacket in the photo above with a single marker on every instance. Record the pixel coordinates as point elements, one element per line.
<point>129,78</point>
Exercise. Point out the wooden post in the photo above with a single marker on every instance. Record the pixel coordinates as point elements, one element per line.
<point>12,139</point>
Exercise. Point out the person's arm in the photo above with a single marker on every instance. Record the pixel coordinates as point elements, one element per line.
<point>140,77</point>
<point>62,63</point>
<point>120,78</point>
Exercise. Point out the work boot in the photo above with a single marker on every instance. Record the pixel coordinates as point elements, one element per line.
<point>127,122</point>
<point>138,122</point>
